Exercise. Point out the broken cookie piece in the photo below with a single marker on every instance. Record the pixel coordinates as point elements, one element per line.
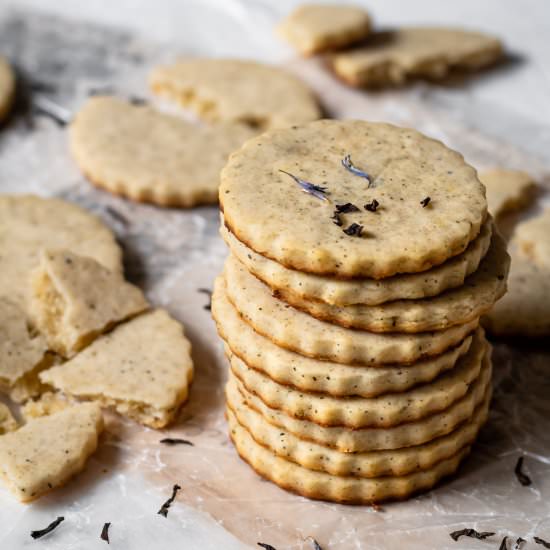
<point>7,422</point>
<point>22,353</point>
<point>48,403</point>
<point>142,369</point>
<point>533,239</point>
<point>314,28</point>
<point>394,57</point>
<point>507,190</point>
<point>75,298</point>
<point>46,452</point>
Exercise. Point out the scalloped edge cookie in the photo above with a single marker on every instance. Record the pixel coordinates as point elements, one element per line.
<point>384,411</point>
<point>371,292</point>
<point>373,439</point>
<point>323,486</point>
<point>307,374</point>
<point>457,306</point>
<point>292,329</point>
<point>396,462</point>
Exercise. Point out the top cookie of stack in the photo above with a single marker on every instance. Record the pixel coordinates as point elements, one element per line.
<point>430,204</point>
<point>362,258</point>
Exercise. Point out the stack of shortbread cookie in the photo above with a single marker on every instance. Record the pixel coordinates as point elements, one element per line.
<point>362,257</point>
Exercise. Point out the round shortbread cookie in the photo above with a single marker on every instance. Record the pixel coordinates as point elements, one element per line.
<point>454,307</point>
<point>7,88</point>
<point>372,292</point>
<point>292,329</point>
<point>392,57</point>
<point>263,96</point>
<point>384,411</point>
<point>307,374</point>
<point>323,486</point>
<point>149,156</point>
<point>314,28</point>
<point>29,223</point>
<point>396,462</point>
<point>428,202</point>
<point>373,439</point>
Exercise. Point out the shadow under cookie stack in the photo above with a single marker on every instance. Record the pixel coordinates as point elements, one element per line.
<point>362,258</point>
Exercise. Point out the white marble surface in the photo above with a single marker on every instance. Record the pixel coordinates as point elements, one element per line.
<point>172,253</point>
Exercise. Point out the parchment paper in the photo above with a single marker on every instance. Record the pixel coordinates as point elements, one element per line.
<point>172,254</point>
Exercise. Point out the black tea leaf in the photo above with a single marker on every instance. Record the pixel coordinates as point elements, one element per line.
<point>176,441</point>
<point>542,542</point>
<point>266,546</point>
<point>524,479</point>
<point>166,506</point>
<point>455,535</point>
<point>41,532</point>
<point>105,533</point>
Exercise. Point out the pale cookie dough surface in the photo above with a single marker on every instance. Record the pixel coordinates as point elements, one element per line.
<point>29,223</point>
<point>533,239</point>
<point>145,155</point>
<point>313,28</point>
<point>392,57</point>
<point>231,90</point>
<point>7,422</point>
<point>454,307</point>
<point>395,462</point>
<point>142,369</point>
<point>384,411</point>
<point>350,440</point>
<point>307,374</point>
<point>22,352</point>
<point>46,452</point>
<point>271,214</point>
<point>7,88</point>
<point>299,332</point>
<point>75,298</point>
<point>507,190</point>
<point>323,486</point>
<point>341,292</point>
<point>525,308</point>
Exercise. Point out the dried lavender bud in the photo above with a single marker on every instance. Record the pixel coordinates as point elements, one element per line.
<point>105,533</point>
<point>425,202</point>
<point>166,506</point>
<point>524,479</point>
<point>372,206</point>
<point>346,208</point>
<point>310,188</point>
<point>41,532</point>
<point>455,535</point>
<point>350,167</point>
<point>354,230</point>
